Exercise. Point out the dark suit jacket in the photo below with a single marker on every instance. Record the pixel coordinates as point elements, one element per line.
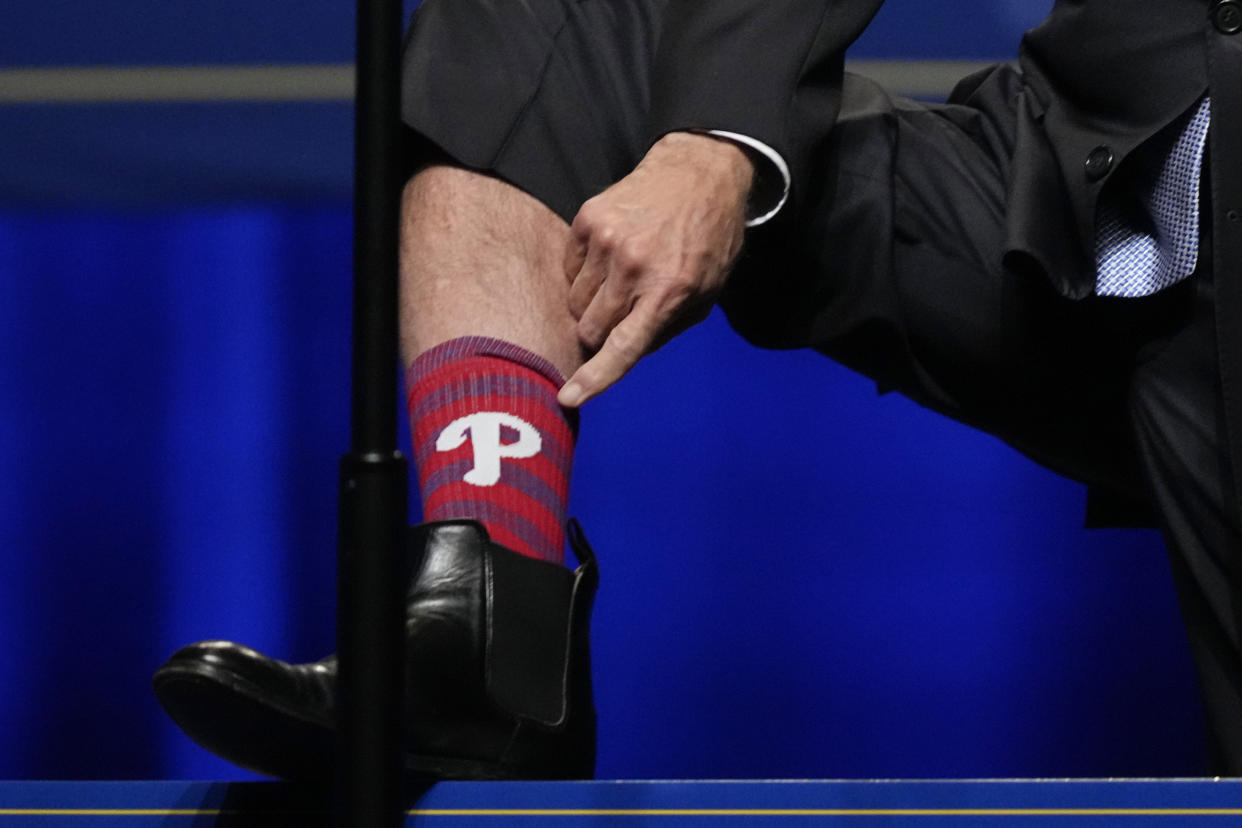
<point>1108,74</point>
<point>1112,73</point>
<point>1105,75</point>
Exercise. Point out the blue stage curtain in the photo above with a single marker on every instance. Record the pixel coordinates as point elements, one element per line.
<point>800,578</point>
<point>173,405</point>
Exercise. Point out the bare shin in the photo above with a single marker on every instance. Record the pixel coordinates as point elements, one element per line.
<point>480,257</point>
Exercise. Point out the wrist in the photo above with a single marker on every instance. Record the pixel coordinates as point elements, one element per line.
<point>725,160</point>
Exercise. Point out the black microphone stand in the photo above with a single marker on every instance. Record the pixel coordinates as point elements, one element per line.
<point>373,480</point>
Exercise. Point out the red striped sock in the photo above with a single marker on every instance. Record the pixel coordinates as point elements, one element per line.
<point>491,443</point>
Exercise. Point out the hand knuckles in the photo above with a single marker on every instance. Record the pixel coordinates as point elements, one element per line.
<point>627,343</point>
<point>630,255</point>
<point>586,222</point>
<point>605,237</point>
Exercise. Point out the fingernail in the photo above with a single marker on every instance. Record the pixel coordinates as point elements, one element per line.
<point>570,395</point>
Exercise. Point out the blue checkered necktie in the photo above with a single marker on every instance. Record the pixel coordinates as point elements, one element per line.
<point>1146,244</point>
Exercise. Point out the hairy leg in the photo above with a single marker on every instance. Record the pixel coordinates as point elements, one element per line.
<point>480,257</point>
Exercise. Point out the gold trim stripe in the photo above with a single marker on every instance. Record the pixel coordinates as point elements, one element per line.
<point>672,812</point>
<point>109,812</point>
<point>814,812</point>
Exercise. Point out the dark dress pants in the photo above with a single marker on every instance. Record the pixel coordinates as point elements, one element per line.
<point>894,264</point>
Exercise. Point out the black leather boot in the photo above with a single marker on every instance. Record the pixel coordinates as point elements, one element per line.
<point>498,676</point>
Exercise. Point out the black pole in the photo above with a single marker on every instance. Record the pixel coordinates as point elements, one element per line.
<point>370,589</point>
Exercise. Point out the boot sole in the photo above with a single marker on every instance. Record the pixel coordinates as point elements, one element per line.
<point>233,719</point>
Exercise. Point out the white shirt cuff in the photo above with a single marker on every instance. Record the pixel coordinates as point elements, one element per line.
<point>767,210</point>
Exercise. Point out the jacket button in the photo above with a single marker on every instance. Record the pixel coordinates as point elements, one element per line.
<point>1099,162</point>
<point>1227,16</point>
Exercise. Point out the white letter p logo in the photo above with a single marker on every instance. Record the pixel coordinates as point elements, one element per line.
<point>484,428</point>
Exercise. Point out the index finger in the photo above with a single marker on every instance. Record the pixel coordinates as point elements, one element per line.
<point>628,341</point>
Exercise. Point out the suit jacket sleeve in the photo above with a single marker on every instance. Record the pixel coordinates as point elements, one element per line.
<point>770,69</point>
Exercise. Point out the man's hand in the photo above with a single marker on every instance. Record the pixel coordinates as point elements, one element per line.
<point>649,255</point>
